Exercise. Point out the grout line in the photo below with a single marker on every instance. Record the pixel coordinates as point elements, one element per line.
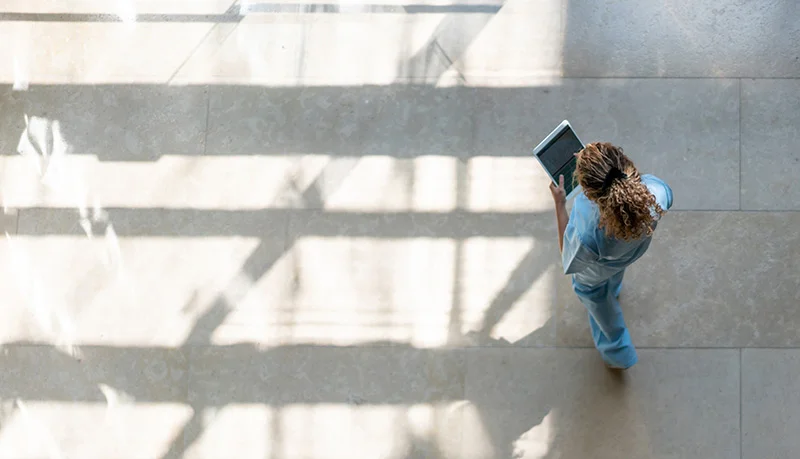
<point>189,356</point>
<point>743,211</point>
<point>740,144</point>
<point>384,212</point>
<point>191,54</point>
<point>646,348</point>
<point>648,77</point>
<point>741,433</point>
<point>507,347</point>
<point>643,348</point>
<point>425,81</point>
<point>208,118</point>
<point>395,212</point>
<point>287,230</point>
<point>475,80</point>
<point>403,346</point>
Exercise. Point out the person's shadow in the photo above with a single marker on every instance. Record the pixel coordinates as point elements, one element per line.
<point>537,403</point>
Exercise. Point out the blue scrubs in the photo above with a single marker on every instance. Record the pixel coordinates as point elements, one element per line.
<point>597,264</point>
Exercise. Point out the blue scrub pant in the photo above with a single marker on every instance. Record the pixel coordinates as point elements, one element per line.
<point>608,328</point>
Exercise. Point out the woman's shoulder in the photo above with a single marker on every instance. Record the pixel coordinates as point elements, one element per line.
<point>650,178</point>
<point>585,218</point>
<point>584,207</point>
<point>660,190</point>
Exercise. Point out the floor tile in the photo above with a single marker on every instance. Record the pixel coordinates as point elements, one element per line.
<point>113,123</point>
<point>770,402</point>
<point>252,120</point>
<point>149,7</point>
<point>425,278</point>
<point>372,149</point>
<point>399,121</point>
<point>381,183</point>
<point>666,39</point>
<point>341,277</point>
<point>684,131</point>
<point>174,181</point>
<point>154,222</point>
<point>108,272</point>
<point>523,41</point>
<point>379,44</point>
<point>72,374</point>
<point>690,140</point>
<point>412,120</point>
<point>285,49</point>
<point>325,401</point>
<point>9,218</point>
<point>62,50</point>
<point>769,132</point>
<point>707,281</point>
<point>92,401</point>
<point>532,403</point>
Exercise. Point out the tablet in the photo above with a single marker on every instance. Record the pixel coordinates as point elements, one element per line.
<point>556,153</point>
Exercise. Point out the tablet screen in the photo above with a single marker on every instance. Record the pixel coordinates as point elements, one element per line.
<point>558,156</point>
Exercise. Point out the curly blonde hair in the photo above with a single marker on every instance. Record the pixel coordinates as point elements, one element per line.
<point>627,208</point>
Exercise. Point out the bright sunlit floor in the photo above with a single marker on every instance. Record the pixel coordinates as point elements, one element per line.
<point>244,229</point>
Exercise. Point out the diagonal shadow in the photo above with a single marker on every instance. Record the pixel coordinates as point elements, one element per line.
<point>260,261</point>
<point>452,37</point>
<point>519,282</point>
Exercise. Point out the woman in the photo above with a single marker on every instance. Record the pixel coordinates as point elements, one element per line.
<point>611,225</point>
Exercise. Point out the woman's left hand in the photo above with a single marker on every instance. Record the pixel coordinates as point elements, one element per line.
<point>558,192</point>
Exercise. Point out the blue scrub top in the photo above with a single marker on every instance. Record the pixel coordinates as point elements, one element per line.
<point>592,257</point>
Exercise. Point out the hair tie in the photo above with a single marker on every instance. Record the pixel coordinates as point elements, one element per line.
<point>613,174</point>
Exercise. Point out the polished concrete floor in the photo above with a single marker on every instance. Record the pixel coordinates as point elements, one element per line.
<point>282,230</point>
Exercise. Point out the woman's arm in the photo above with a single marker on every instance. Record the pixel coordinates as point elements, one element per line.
<point>562,216</point>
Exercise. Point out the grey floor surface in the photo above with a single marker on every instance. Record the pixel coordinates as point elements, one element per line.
<point>281,230</point>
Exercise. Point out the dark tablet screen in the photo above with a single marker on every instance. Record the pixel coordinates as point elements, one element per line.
<point>558,157</point>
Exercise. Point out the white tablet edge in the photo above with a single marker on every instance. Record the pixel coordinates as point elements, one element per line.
<point>555,132</point>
